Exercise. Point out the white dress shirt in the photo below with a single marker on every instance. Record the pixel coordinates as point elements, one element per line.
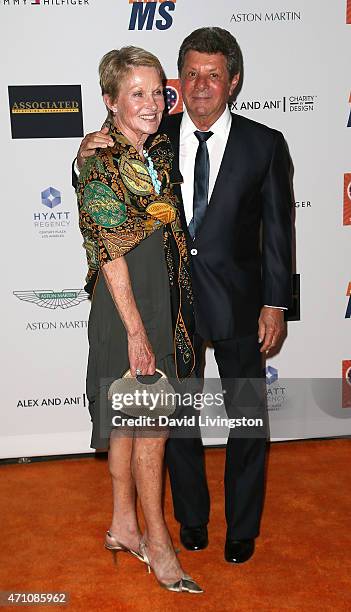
<point>188,144</point>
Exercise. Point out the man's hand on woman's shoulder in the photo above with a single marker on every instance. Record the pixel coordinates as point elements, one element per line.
<point>91,142</point>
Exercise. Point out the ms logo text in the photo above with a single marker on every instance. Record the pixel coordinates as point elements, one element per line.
<point>148,14</point>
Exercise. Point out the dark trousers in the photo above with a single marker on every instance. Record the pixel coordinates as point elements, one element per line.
<point>245,457</point>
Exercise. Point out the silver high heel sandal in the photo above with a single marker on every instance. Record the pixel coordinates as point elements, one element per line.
<point>185,584</point>
<point>114,546</point>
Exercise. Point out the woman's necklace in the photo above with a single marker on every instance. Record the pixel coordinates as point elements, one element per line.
<point>152,172</point>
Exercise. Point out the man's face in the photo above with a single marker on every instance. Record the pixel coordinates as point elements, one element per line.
<point>206,86</point>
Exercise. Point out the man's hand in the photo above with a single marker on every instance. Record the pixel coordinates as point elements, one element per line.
<point>91,142</point>
<point>270,327</point>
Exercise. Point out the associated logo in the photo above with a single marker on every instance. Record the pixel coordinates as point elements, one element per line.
<point>348,11</point>
<point>271,375</point>
<point>347,198</point>
<point>147,14</point>
<point>173,96</point>
<point>46,111</point>
<point>50,197</point>
<point>53,299</point>
<point>348,308</point>
<point>346,383</point>
<point>293,313</point>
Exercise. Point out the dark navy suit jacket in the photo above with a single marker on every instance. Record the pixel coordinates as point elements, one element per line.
<point>242,254</point>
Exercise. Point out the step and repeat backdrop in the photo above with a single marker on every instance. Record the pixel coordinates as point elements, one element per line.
<point>296,79</point>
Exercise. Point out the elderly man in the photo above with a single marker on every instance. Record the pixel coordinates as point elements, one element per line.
<point>231,175</point>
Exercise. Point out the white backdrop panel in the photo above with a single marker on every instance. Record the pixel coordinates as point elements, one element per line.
<point>301,53</point>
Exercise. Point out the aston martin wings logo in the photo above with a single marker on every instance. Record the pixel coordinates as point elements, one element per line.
<point>46,298</point>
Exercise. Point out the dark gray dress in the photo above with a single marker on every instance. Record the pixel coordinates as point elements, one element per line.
<point>108,345</point>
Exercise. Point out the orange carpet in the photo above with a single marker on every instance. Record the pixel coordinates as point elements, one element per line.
<point>54,514</point>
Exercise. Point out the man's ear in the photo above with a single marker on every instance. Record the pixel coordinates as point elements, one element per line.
<point>234,82</point>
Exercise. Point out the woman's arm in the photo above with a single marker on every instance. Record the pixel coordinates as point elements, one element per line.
<point>140,352</point>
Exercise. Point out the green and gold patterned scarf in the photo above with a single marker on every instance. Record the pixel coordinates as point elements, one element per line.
<point>119,207</point>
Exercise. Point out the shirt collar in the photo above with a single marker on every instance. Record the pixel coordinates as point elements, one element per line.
<point>221,126</point>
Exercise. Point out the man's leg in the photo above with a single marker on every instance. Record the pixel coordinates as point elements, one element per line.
<point>245,456</point>
<point>186,464</point>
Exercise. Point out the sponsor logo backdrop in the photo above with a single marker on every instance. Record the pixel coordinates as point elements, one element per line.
<point>297,79</point>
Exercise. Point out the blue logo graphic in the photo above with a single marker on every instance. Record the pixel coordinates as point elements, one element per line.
<point>271,375</point>
<point>50,197</point>
<point>144,15</point>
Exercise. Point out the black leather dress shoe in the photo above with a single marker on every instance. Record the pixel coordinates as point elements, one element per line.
<point>238,551</point>
<point>194,538</point>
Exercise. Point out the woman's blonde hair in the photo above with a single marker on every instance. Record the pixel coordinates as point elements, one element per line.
<point>116,64</point>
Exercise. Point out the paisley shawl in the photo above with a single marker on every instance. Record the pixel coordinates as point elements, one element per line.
<point>118,208</point>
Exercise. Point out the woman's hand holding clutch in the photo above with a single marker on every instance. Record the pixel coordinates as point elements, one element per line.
<point>141,356</point>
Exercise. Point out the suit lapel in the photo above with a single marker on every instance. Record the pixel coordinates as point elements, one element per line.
<point>227,163</point>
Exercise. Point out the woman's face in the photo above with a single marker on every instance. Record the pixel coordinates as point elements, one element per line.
<point>140,103</point>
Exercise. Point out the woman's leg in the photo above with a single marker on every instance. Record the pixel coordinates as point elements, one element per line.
<point>124,525</point>
<point>147,467</point>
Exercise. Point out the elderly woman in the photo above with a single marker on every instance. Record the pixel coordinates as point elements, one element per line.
<point>141,313</point>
